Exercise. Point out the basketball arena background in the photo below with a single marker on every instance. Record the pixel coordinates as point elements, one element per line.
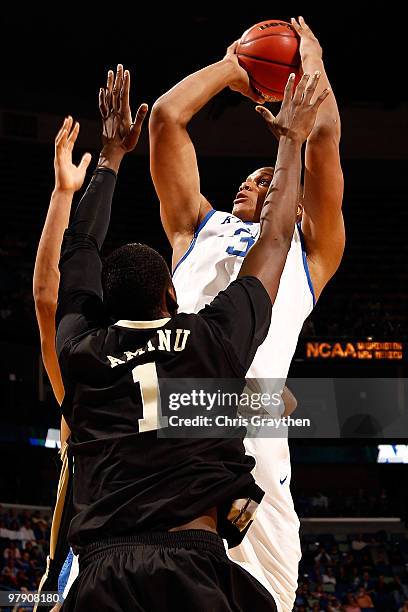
<point>350,486</point>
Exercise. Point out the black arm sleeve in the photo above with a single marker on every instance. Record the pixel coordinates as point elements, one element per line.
<point>80,292</point>
<point>240,317</point>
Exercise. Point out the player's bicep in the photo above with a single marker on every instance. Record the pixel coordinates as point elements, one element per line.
<point>174,170</point>
<point>240,317</point>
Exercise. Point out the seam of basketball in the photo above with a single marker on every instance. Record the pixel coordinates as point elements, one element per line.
<point>257,83</point>
<point>266,61</point>
<point>246,42</point>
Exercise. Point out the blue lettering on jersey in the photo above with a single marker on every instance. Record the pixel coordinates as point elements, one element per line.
<point>245,242</point>
<point>227,220</point>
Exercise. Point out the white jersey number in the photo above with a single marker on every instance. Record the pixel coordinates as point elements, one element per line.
<point>146,376</point>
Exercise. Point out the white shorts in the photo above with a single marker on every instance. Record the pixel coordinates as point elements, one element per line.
<point>272,544</point>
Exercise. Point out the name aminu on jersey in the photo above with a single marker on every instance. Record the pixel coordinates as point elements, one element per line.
<point>168,340</point>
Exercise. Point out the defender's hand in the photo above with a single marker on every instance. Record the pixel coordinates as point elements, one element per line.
<point>309,45</point>
<point>240,79</point>
<point>120,133</point>
<point>68,176</point>
<point>297,115</point>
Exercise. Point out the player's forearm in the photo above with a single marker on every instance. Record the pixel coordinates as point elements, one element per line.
<point>46,273</point>
<point>328,117</point>
<point>186,98</point>
<point>92,215</point>
<point>278,215</point>
<point>80,262</point>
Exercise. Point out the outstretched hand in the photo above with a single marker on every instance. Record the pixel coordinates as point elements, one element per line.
<point>68,176</point>
<point>120,132</point>
<point>297,115</point>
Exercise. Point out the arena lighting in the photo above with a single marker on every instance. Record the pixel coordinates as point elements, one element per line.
<point>53,439</point>
<point>392,453</point>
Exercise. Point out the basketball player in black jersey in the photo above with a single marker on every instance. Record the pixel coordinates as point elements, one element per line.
<point>150,510</point>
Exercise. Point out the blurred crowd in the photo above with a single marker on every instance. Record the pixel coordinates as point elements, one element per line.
<point>363,503</point>
<point>24,543</point>
<point>353,573</point>
<point>338,573</point>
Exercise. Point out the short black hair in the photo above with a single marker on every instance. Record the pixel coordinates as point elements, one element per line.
<point>135,278</point>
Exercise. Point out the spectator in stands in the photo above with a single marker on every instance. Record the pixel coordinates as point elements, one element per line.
<point>22,580</point>
<point>334,605</point>
<point>342,580</point>
<point>358,543</point>
<point>27,533</point>
<point>363,599</point>
<point>329,577</point>
<point>322,556</point>
<point>404,608</point>
<point>9,574</point>
<point>351,605</point>
<point>381,561</point>
<point>24,562</point>
<point>301,597</point>
<point>319,596</point>
<point>334,553</point>
<point>366,561</point>
<point>399,591</point>
<point>12,552</point>
<point>349,563</point>
<point>383,597</point>
<point>367,582</point>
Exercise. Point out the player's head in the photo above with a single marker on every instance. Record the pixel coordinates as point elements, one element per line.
<point>137,284</point>
<point>252,193</point>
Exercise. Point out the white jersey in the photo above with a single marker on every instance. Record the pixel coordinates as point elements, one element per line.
<point>212,261</point>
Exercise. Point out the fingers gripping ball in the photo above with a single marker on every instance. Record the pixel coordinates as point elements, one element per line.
<point>269,52</point>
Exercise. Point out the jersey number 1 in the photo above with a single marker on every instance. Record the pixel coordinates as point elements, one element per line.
<point>146,376</point>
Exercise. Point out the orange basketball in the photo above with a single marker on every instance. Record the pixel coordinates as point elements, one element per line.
<point>269,52</point>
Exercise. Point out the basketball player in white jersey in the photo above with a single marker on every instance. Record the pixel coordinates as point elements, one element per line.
<point>208,250</point>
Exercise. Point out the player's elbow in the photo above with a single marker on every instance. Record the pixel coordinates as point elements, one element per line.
<point>45,301</point>
<point>277,239</point>
<point>327,130</point>
<point>165,115</point>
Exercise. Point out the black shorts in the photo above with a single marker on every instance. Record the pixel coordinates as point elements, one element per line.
<point>183,571</point>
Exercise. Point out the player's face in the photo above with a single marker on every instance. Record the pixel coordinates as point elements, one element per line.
<point>251,195</point>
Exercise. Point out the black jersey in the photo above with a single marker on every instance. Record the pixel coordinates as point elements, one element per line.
<point>127,479</point>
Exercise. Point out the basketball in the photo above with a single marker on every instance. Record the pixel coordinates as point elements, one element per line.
<point>269,52</point>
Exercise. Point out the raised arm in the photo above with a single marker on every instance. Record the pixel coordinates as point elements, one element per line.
<point>68,179</point>
<point>80,292</point>
<point>173,161</point>
<point>267,257</point>
<point>322,219</point>
<point>322,222</point>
